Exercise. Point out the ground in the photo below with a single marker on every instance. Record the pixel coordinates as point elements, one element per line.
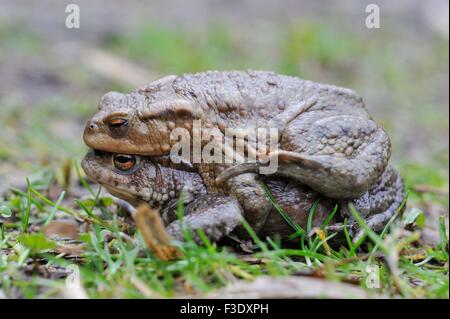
<point>51,79</point>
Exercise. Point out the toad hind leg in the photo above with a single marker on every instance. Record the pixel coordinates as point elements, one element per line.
<point>217,215</point>
<point>377,206</point>
<point>353,162</point>
<point>380,203</point>
<point>338,155</point>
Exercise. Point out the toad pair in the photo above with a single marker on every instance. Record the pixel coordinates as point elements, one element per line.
<point>328,146</point>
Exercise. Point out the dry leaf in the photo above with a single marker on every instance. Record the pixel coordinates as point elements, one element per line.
<point>69,249</point>
<point>151,226</point>
<point>62,228</point>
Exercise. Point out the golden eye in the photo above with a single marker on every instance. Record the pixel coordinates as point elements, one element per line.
<point>124,162</point>
<point>118,126</point>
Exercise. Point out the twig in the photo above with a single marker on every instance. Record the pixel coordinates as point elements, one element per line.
<point>116,68</point>
<point>423,188</point>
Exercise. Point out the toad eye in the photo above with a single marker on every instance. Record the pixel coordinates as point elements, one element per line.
<point>118,127</point>
<point>124,162</point>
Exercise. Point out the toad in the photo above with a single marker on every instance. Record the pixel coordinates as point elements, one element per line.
<point>159,182</point>
<point>326,139</point>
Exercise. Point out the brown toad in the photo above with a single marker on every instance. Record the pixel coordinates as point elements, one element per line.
<point>159,182</point>
<point>327,139</point>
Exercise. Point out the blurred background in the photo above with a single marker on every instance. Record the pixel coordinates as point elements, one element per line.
<point>51,77</point>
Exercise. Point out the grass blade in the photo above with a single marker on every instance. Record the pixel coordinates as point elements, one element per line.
<point>82,179</point>
<point>299,231</point>
<point>54,209</point>
<point>372,235</point>
<point>26,216</point>
<point>443,237</point>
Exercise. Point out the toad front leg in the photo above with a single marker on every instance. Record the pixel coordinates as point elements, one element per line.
<point>216,215</point>
<point>246,188</point>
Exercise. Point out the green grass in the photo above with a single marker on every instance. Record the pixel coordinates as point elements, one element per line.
<point>18,38</point>
<point>116,263</point>
<point>310,44</point>
<point>167,50</point>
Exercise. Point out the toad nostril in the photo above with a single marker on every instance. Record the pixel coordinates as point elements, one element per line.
<point>92,125</point>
